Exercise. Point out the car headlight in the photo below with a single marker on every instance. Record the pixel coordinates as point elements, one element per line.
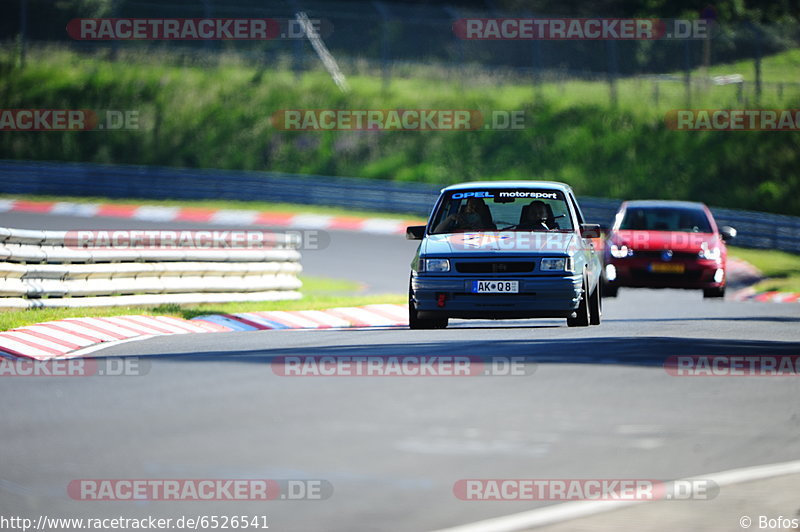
<point>562,264</point>
<point>611,272</point>
<point>710,254</point>
<point>436,265</point>
<point>620,252</point>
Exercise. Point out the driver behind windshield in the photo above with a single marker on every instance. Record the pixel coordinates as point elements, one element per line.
<point>537,217</point>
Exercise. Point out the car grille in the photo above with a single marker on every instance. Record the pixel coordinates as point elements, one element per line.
<point>494,267</point>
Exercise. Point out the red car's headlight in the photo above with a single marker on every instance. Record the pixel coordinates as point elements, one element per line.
<point>620,252</point>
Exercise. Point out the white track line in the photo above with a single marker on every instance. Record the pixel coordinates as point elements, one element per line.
<point>154,213</point>
<point>65,208</point>
<point>572,510</point>
<point>96,347</point>
<point>226,216</point>
<point>311,221</point>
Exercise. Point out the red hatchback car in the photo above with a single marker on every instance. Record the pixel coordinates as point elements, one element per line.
<point>666,244</point>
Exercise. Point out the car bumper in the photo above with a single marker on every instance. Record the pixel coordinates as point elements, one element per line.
<point>638,274</point>
<point>538,297</point>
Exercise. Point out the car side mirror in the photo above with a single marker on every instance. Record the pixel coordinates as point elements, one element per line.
<point>415,232</point>
<point>727,233</point>
<point>590,230</point>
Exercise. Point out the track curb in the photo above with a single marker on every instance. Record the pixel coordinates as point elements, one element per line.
<point>160,213</point>
<point>74,337</point>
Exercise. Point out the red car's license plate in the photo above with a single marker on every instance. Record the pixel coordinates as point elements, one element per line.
<point>662,267</point>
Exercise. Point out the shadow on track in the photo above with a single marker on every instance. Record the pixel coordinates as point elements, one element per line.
<point>626,351</point>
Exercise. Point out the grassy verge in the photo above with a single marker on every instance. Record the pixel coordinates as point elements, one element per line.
<point>264,206</point>
<point>318,294</point>
<point>781,269</point>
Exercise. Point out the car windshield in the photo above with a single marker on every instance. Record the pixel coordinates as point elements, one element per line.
<point>682,219</point>
<point>502,210</point>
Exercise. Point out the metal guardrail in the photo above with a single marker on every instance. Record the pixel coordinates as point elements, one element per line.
<point>47,269</point>
<point>756,229</point>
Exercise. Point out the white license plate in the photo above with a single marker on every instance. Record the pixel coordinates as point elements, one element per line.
<point>661,267</point>
<point>495,287</point>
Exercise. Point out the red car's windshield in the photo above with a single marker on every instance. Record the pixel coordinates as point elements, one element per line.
<point>685,220</point>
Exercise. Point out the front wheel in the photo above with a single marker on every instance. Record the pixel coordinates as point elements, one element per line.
<point>610,290</point>
<point>415,322</point>
<point>582,317</point>
<point>596,305</point>
<point>714,292</point>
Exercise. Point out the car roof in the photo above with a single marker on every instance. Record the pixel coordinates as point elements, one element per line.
<point>666,203</point>
<point>547,185</point>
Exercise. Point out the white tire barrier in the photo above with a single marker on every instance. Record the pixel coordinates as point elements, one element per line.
<point>46,269</point>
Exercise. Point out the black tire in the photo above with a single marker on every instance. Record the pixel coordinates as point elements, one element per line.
<point>582,316</point>
<point>596,305</point>
<point>709,293</point>
<point>610,290</point>
<point>414,322</point>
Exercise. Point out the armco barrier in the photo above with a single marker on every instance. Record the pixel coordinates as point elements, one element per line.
<point>45,269</point>
<point>756,229</point>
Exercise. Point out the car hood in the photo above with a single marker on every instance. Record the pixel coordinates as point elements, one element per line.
<point>505,243</point>
<point>659,240</point>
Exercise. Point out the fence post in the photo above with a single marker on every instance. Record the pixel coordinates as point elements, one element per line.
<point>454,16</point>
<point>297,48</point>
<point>758,64</point>
<point>208,12</point>
<point>687,72</point>
<point>383,11</point>
<point>536,65</point>
<point>23,31</point>
<point>114,43</point>
<point>613,70</point>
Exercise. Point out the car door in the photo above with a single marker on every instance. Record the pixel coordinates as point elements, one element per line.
<point>587,247</point>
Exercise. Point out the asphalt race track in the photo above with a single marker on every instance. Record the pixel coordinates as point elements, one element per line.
<point>597,403</point>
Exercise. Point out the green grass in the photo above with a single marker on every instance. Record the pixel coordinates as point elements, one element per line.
<point>218,116</point>
<point>781,269</point>
<point>318,294</point>
<point>261,206</point>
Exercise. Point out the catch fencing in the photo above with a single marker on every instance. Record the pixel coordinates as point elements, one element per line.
<point>393,39</point>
